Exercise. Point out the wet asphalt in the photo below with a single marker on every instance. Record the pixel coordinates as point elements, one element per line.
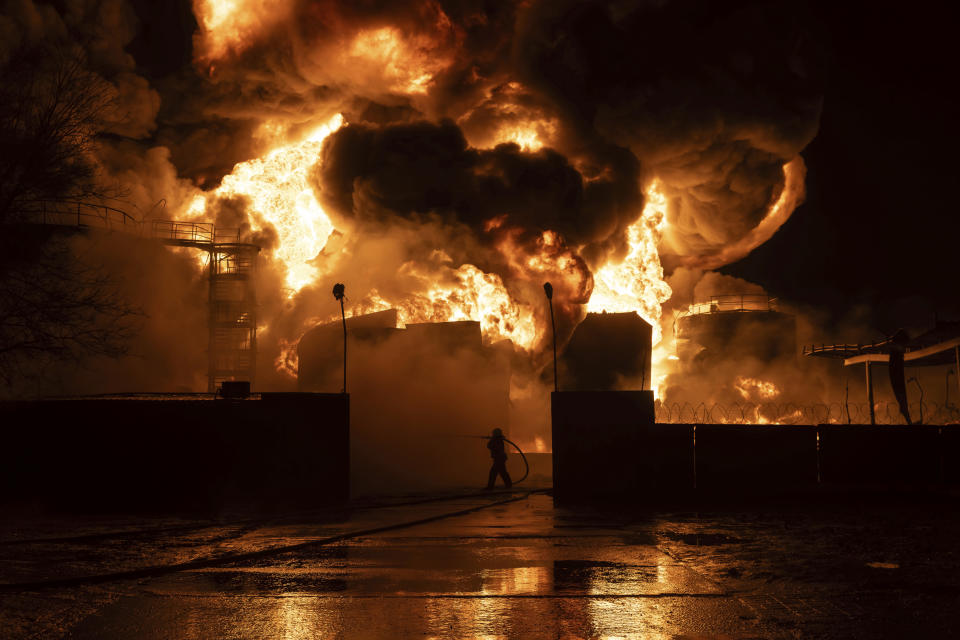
<point>502,565</point>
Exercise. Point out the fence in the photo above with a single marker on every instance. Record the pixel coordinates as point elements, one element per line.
<point>789,413</point>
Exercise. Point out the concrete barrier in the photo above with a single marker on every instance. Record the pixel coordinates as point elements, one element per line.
<point>668,457</point>
<point>950,453</point>
<point>606,444</point>
<point>879,455</point>
<point>755,459</point>
<point>177,452</point>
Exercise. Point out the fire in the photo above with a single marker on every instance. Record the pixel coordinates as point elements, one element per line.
<point>406,63</point>
<point>280,195</point>
<point>526,137</point>
<point>464,293</point>
<point>530,134</point>
<point>753,389</point>
<point>636,283</point>
<point>230,25</point>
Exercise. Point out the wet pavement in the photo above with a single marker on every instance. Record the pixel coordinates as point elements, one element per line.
<point>503,565</point>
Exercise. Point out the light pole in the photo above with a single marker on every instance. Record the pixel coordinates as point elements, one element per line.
<point>339,294</point>
<point>548,289</point>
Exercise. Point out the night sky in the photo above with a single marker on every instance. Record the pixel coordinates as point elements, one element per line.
<point>879,226</point>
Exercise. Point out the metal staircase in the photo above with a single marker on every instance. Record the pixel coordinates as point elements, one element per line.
<point>232,322</point>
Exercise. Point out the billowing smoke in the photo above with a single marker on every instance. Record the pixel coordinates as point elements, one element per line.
<point>486,148</point>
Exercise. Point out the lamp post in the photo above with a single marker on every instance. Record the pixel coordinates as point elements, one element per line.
<point>548,289</point>
<point>339,294</point>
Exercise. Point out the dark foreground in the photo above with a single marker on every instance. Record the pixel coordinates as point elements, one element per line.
<point>494,566</point>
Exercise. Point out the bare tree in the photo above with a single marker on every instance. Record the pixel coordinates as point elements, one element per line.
<point>54,306</point>
<point>51,108</point>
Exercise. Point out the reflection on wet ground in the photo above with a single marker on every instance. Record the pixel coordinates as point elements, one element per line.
<point>520,570</point>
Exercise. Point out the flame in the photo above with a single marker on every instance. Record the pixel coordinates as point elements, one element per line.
<point>636,283</point>
<point>753,389</point>
<point>526,137</point>
<point>407,63</point>
<point>280,195</point>
<point>229,26</point>
<point>529,134</point>
<point>464,293</point>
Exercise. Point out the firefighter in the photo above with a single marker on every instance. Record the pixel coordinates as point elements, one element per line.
<point>499,455</point>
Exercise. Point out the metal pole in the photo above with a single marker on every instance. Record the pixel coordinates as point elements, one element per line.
<point>873,417</point>
<point>846,399</point>
<point>339,292</point>
<point>548,289</point>
<point>212,325</point>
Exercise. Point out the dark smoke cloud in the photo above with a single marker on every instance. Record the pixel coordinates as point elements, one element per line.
<point>374,177</point>
<point>370,175</point>
<point>712,97</point>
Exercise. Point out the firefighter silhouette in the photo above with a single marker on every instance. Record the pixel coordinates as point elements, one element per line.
<point>499,455</point>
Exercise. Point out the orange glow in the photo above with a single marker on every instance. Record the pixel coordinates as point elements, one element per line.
<point>753,389</point>
<point>636,283</point>
<point>464,293</point>
<point>405,63</point>
<point>794,174</point>
<point>530,135</point>
<point>231,25</point>
<point>280,195</point>
<point>526,138</point>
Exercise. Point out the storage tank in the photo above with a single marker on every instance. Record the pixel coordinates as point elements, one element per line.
<point>731,327</point>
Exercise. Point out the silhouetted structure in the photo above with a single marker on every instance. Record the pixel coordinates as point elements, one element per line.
<point>725,327</point>
<point>498,452</point>
<point>608,351</point>
<point>232,324</point>
<point>938,346</point>
<point>602,446</point>
<point>412,389</point>
<point>142,452</point>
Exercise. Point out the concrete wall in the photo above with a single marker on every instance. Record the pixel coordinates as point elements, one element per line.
<point>605,444</point>
<point>177,452</point>
<point>598,440</point>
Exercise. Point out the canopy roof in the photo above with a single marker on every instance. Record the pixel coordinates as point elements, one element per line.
<point>938,346</point>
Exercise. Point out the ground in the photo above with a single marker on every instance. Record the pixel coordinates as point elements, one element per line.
<point>501,565</point>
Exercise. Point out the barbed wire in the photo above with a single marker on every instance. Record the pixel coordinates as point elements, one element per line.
<point>790,413</point>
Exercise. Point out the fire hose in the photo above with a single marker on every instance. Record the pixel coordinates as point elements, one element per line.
<point>526,465</point>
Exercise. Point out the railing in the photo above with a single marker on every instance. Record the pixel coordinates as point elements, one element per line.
<point>789,413</point>
<point>844,350</point>
<point>77,214</point>
<point>227,236</point>
<point>178,231</point>
<point>82,214</point>
<point>732,303</point>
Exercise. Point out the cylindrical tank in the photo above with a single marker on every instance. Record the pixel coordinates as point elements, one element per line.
<point>730,327</point>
